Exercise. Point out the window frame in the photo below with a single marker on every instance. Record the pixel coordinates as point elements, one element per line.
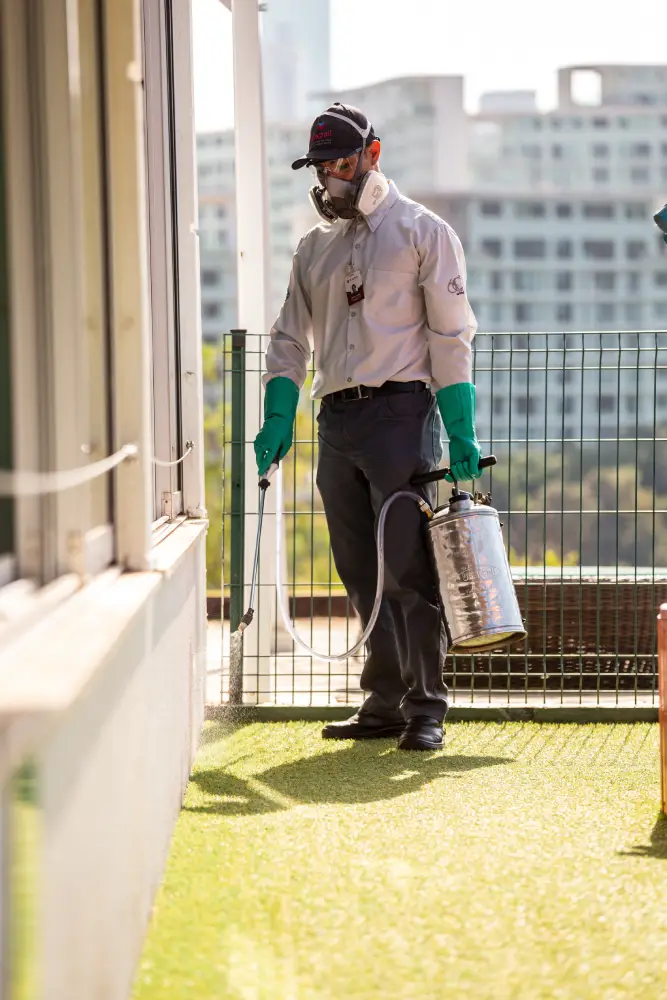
<point>55,278</point>
<point>162,208</point>
<point>47,52</point>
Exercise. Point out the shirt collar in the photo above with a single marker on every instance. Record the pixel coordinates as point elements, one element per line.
<point>375,218</point>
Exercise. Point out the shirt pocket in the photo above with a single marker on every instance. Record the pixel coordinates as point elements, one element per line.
<point>393,298</point>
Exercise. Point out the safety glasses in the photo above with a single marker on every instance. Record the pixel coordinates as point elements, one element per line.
<point>344,167</point>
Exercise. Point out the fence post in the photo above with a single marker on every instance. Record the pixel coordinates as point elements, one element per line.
<point>662,694</point>
<point>237,504</point>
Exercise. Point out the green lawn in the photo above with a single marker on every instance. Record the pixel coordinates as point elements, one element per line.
<point>523,862</point>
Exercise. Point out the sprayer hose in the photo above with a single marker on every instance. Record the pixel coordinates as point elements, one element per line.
<point>280,586</point>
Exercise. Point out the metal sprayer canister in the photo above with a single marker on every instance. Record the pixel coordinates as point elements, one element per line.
<point>476,589</point>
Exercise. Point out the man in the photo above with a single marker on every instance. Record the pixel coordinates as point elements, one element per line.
<point>378,291</point>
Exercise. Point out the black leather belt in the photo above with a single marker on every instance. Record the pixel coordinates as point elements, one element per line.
<point>368,391</point>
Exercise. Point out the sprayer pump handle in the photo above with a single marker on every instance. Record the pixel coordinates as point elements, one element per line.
<point>433,477</point>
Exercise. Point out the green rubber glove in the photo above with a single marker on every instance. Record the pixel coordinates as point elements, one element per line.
<point>457,408</point>
<point>275,437</point>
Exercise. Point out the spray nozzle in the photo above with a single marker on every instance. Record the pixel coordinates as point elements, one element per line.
<point>483,498</point>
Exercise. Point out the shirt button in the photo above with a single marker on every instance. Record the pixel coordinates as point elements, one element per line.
<point>353,314</point>
<point>357,245</point>
<point>351,347</point>
<point>349,380</point>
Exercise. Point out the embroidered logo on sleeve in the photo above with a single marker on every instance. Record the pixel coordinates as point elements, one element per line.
<point>455,286</point>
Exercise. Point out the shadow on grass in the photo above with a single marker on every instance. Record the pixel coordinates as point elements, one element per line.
<point>657,848</point>
<point>354,774</point>
<point>231,796</point>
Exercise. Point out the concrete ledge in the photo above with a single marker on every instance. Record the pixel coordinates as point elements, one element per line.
<point>457,713</point>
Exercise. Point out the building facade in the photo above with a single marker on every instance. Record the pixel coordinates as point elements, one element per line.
<point>290,215</point>
<point>296,57</point>
<point>554,209</point>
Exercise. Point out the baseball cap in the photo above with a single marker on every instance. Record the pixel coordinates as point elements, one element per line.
<point>338,131</point>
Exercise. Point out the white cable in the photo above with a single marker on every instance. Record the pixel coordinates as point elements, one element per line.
<point>282,603</point>
<point>167,465</point>
<point>33,484</point>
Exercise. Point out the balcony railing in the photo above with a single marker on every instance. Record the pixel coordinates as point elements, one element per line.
<point>578,422</point>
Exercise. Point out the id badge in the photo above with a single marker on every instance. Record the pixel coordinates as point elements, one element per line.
<point>354,288</point>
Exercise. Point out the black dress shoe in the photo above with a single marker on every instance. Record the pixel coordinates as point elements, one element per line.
<point>422,733</point>
<point>363,727</point>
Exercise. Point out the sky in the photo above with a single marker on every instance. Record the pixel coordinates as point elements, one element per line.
<point>494,44</point>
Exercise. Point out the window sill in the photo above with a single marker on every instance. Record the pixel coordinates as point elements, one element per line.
<point>48,666</point>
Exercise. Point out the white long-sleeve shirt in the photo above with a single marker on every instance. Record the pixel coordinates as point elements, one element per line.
<point>414,322</point>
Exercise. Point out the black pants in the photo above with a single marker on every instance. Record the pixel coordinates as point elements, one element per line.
<point>369,448</point>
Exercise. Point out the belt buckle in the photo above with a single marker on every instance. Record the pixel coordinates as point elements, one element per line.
<point>358,394</point>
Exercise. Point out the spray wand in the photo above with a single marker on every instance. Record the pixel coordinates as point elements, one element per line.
<point>236,638</point>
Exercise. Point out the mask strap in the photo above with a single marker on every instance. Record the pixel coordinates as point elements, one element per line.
<point>364,133</point>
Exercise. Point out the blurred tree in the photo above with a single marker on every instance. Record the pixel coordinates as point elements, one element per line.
<point>540,495</point>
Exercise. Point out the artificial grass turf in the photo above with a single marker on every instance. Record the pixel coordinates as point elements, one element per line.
<point>524,861</point>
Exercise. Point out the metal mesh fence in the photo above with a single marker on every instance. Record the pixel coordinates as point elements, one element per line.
<point>578,422</point>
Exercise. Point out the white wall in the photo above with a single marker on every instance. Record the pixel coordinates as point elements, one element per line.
<point>122,726</point>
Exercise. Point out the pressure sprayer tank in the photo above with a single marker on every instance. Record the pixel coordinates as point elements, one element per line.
<point>476,589</point>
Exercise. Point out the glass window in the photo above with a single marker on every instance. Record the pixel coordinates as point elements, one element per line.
<point>564,249</point>
<point>530,210</point>
<point>633,313</point>
<point>161,197</point>
<point>563,210</point>
<point>210,278</point>
<point>490,208</point>
<point>529,249</point>
<point>599,249</point>
<point>525,405</point>
<point>607,404</point>
<point>600,175</point>
<point>55,273</point>
<point>600,150</point>
<point>640,150</point>
<point>598,210</point>
<point>635,249</point>
<point>639,175</point>
<point>660,279</point>
<point>496,281</point>
<point>636,210</point>
<point>527,280</point>
<point>492,248</point>
<point>606,312</point>
<point>634,281</point>
<point>523,312</point>
<point>564,312</point>
<point>604,281</point>
<point>564,281</point>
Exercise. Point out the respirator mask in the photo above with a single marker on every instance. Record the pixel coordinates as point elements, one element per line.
<point>338,197</point>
